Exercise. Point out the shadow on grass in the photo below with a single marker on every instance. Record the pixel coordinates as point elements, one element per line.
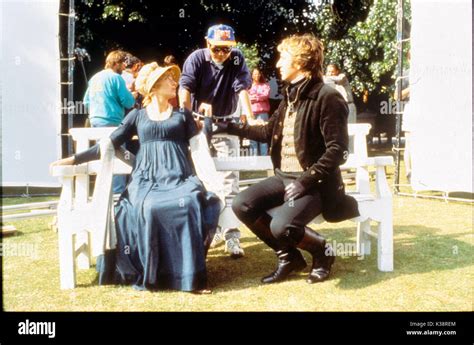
<point>417,248</point>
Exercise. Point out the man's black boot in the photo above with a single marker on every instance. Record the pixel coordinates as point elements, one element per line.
<point>289,260</point>
<point>323,255</point>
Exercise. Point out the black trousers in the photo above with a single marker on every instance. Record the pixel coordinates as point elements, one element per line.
<point>292,216</point>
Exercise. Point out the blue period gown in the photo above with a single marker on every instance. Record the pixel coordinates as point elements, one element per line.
<point>165,219</point>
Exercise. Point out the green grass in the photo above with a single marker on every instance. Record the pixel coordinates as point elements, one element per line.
<point>27,200</point>
<point>433,243</point>
<point>433,272</point>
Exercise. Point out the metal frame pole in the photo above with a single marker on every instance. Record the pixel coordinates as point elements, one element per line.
<point>399,93</point>
<point>70,70</point>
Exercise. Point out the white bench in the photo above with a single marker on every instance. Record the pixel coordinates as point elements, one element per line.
<point>75,207</point>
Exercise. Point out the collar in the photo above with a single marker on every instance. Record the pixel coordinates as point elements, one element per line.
<point>297,80</point>
<point>310,90</point>
<point>207,57</point>
<point>294,88</point>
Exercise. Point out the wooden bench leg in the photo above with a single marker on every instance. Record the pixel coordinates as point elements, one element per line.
<point>67,267</point>
<point>83,250</point>
<point>82,238</point>
<point>363,238</point>
<point>385,244</point>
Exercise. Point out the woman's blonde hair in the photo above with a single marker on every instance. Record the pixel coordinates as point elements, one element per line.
<point>150,75</point>
<point>142,81</point>
<point>307,52</point>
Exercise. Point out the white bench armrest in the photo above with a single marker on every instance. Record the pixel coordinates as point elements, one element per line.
<point>361,166</point>
<point>380,161</point>
<point>354,162</point>
<point>70,170</point>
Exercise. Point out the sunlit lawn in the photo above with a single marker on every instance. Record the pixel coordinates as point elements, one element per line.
<point>433,243</point>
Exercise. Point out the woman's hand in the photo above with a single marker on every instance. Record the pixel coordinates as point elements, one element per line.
<point>64,161</point>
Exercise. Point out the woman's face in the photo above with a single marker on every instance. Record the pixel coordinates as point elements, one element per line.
<point>332,71</point>
<point>166,86</point>
<point>256,76</point>
<point>136,68</point>
<point>286,65</point>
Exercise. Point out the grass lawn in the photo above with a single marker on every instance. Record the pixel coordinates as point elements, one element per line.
<point>433,243</point>
<point>26,200</point>
<point>433,272</point>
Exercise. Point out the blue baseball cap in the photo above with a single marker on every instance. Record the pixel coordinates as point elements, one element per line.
<point>221,35</point>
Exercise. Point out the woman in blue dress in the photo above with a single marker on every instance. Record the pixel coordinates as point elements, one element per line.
<point>165,219</point>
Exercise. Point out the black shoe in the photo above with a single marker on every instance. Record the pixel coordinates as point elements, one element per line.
<point>323,255</point>
<point>288,261</point>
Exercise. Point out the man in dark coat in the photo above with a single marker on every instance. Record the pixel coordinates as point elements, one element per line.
<point>308,142</point>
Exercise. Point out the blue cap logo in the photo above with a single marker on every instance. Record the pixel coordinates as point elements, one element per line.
<point>221,35</point>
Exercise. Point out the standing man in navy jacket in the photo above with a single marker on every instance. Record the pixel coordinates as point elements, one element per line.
<point>214,80</point>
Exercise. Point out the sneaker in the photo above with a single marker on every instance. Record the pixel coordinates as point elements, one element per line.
<point>232,245</point>
<point>218,238</point>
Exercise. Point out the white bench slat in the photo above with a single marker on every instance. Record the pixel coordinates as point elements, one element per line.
<point>243,163</point>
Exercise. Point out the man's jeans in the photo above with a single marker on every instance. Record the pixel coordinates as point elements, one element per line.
<point>258,148</point>
<point>226,147</point>
<point>119,182</point>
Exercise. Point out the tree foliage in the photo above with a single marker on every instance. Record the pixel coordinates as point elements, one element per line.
<point>251,54</point>
<point>366,51</point>
<point>150,28</point>
<point>359,35</point>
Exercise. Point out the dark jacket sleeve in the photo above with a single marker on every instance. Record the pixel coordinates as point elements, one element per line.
<point>257,133</point>
<point>243,80</point>
<point>333,126</point>
<point>124,132</point>
<point>189,75</point>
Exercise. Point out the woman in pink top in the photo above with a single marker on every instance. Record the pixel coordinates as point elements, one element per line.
<point>259,94</point>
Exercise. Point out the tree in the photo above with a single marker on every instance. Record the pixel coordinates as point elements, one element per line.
<point>366,51</point>
<point>358,34</point>
<point>150,29</point>
<point>251,54</point>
